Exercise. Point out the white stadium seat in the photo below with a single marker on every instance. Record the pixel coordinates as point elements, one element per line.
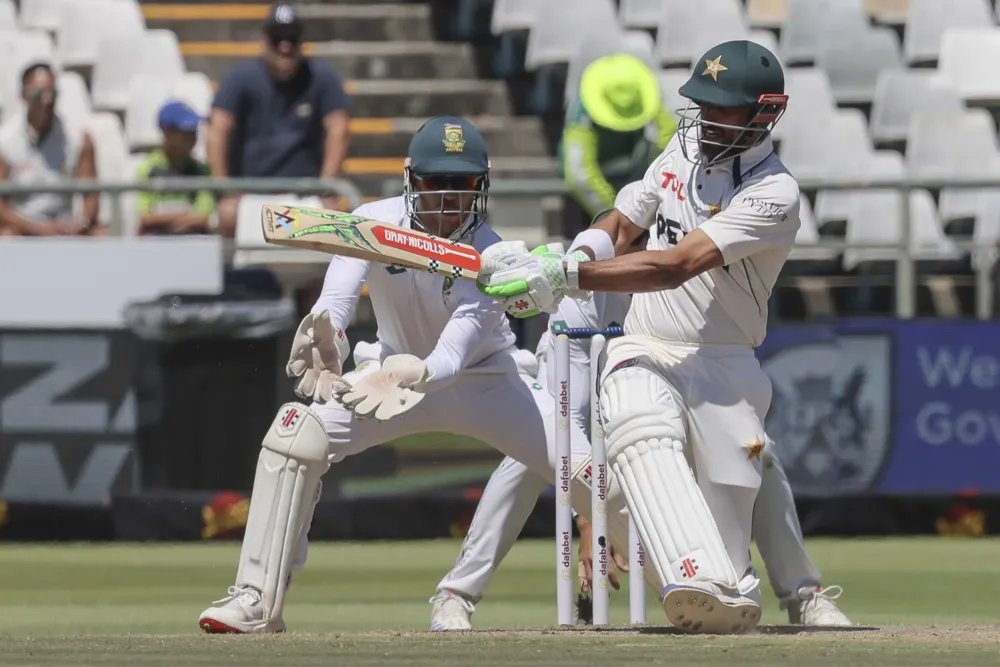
<point>641,13</point>
<point>877,218</point>
<point>808,236</point>
<point>810,99</point>
<point>147,94</point>
<point>43,14</point>
<point>967,57</point>
<point>561,28</point>
<point>688,30</point>
<point>836,205</point>
<point>510,15</point>
<point>155,52</point>
<point>84,24</point>
<point>810,23</point>
<point>901,93</point>
<point>670,81</point>
<point>926,21</point>
<point>833,147</point>
<point>8,15</point>
<point>112,155</point>
<point>18,49</point>
<point>73,103</point>
<point>853,63</point>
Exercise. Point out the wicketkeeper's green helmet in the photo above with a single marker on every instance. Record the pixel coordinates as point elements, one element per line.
<point>737,74</point>
<point>447,161</point>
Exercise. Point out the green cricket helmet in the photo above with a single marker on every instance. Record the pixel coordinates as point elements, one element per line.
<point>737,74</point>
<point>447,163</point>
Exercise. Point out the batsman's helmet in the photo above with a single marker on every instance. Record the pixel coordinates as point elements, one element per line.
<point>737,74</point>
<point>446,162</point>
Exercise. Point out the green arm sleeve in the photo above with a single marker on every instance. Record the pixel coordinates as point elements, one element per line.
<point>582,172</point>
<point>204,203</point>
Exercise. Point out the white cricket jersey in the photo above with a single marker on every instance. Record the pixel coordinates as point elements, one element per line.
<point>450,329</point>
<point>749,206</point>
<point>31,162</point>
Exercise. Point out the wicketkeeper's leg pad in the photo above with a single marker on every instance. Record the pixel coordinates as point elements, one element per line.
<point>292,461</point>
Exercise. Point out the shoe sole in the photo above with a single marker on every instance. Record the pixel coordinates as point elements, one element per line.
<point>697,611</point>
<point>214,627</point>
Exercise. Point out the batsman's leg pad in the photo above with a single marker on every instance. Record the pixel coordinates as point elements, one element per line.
<point>292,461</point>
<point>645,434</point>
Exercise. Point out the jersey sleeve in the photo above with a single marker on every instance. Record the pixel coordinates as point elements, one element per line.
<point>641,204</point>
<point>762,217</point>
<point>471,324</point>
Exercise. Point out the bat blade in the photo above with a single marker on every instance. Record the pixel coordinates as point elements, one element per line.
<point>339,233</point>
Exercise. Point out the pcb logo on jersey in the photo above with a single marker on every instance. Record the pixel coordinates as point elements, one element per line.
<point>454,140</point>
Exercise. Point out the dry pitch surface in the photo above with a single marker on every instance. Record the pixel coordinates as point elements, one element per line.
<point>922,602</point>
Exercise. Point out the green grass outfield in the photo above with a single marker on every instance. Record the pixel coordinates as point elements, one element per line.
<point>933,600</point>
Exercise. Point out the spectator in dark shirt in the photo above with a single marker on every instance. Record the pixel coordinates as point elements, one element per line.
<point>281,115</point>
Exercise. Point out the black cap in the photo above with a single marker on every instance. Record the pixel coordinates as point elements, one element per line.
<point>283,18</point>
<point>448,145</point>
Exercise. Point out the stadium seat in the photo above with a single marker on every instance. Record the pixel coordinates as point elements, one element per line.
<point>511,15</point>
<point>670,81</point>
<point>986,233</point>
<point>876,217</point>
<point>73,103</point>
<point>112,154</point>
<point>926,21</point>
<point>767,39</point>
<point>641,13</point>
<point>687,30</point>
<point>854,61</point>
<point>953,145</point>
<point>808,236</point>
<point>966,61</point>
<point>8,15</point>
<point>560,28</point>
<point>902,92</point>
<point>888,12</point>
<point>18,49</point>
<point>810,23</point>
<point>195,88</point>
<point>42,14</point>
<point>638,43</point>
<point>154,53</point>
<point>831,147</point>
<point>810,99</point>
<point>766,13</point>
<point>833,207</point>
<point>84,24</point>
<point>147,94</point>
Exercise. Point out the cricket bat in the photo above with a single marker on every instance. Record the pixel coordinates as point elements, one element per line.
<point>339,233</point>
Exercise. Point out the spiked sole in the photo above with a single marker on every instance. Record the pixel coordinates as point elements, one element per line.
<point>697,611</point>
<point>216,627</point>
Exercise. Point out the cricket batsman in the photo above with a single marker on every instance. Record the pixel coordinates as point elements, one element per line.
<point>445,347</point>
<point>512,491</point>
<point>683,397</point>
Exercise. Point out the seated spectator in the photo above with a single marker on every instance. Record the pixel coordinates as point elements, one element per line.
<point>280,115</point>
<point>38,148</point>
<point>614,130</point>
<point>175,212</point>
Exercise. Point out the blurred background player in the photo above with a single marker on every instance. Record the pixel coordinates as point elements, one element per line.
<point>37,147</point>
<point>513,489</point>
<point>175,212</point>
<point>280,115</point>
<point>615,127</point>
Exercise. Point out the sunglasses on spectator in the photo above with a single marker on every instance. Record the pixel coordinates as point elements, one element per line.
<point>277,37</point>
<point>449,182</point>
<point>41,94</point>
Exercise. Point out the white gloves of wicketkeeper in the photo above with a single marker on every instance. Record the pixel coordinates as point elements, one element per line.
<point>383,391</point>
<point>318,353</point>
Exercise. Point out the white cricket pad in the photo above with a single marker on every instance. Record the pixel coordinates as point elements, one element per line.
<point>293,459</point>
<point>644,435</point>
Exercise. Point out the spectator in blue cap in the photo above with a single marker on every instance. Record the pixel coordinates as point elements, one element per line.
<point>173,212</point>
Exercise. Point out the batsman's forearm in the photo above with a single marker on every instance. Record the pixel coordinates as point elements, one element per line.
<point>645,271</point>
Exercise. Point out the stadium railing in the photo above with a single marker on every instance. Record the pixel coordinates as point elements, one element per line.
<point>905,265</point>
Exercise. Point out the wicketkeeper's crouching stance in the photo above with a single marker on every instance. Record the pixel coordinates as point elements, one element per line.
<point>444,346</point>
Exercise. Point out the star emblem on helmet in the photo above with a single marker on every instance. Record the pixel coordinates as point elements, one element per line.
<point>713,67</point>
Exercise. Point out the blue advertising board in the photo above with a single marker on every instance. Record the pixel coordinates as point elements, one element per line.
<point>886,406</point>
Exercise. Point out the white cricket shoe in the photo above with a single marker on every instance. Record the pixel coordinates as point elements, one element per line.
<point>704,608</point>
<point>816,606</point>
<point>241,612</point>
<point>450,611</point>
